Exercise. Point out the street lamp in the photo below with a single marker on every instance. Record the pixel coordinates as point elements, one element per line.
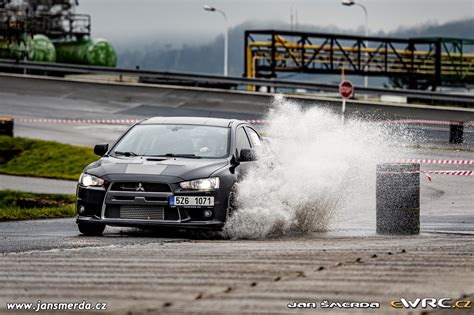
<point>226,35</point>
<point>351,3</point>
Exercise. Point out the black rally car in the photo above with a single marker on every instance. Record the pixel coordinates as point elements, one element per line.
<point>167,171</point>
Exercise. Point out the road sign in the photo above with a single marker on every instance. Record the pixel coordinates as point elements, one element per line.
<point>346,89</point>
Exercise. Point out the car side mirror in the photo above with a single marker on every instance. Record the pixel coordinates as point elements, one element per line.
<point>247,155</point>
<point>101,149</point>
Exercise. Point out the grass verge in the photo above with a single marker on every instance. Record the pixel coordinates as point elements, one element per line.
<point>15,205</point>
<point>39,158</point>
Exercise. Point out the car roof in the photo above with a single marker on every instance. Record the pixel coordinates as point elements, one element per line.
<point>203,121</point>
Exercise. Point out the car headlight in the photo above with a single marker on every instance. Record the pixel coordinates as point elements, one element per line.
<point>201,184</point>
<point>90,180</point>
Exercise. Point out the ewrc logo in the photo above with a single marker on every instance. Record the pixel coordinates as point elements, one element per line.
<point>431,303</point>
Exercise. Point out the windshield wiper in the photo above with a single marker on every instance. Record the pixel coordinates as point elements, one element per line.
<point>184,155</point>
<point>127,153</point>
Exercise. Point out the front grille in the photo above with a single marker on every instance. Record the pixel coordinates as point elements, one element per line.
<point>114,212</point>
<point>139,186</point>
<point>142,213</point>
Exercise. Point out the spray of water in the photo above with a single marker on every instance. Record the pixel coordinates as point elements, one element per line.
<point>318,166</point>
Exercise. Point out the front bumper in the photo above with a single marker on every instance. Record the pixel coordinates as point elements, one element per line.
<point>208,225</point>
<point>112,206</point>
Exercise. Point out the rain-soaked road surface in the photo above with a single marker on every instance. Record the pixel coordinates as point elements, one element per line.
<point>139,272</point>
<point>151,274</point>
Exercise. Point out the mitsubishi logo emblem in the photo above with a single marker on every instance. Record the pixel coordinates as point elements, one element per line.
<point>140,187</point>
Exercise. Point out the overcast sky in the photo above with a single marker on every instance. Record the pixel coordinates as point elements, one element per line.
<point>126,19</point>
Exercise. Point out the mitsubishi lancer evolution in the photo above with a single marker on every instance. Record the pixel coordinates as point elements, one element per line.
<point>177,172</point>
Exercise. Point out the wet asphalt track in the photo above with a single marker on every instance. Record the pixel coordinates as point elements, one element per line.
<point>163,272</point>
<point>153,274</point>
<point>32,97</point>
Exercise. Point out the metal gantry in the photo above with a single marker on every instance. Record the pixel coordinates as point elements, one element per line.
<point>417,61</point>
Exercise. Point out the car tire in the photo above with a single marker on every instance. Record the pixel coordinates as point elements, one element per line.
<point>91,229</point>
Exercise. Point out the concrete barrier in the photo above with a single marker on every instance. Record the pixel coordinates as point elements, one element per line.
<point>398,199</point>
<point>242,104</point>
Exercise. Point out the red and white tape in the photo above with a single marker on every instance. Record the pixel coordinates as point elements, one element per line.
<point>398,121</point>
<point>454,173</point>
<point>79,121</point>
<point>101,121</point>
<point>428,122</point>
<point>440,172</point>
<point>256,121</point>
<point>250,121</point>
<point>433,161</point>
<point>429,173</point>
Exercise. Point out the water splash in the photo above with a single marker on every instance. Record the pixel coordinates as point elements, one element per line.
<point>319,165</point>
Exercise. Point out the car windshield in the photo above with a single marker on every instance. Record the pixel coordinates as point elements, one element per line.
<point>189,141</point>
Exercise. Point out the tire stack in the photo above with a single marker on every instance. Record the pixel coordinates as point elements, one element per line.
<point>398,199</point>
<point>6,126</point>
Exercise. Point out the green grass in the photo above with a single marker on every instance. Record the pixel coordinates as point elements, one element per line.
<point>15,205</point>
<point>40,158</point>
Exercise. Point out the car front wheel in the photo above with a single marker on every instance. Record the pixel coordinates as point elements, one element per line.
<point>91,229</point>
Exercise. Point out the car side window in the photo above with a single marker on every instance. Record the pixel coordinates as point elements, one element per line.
<point>254,138</point>
<point>242,140</point>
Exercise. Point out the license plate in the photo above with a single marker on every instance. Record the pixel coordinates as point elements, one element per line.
<point>191,201</point>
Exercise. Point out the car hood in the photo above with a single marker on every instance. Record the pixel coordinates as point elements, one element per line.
<point>113,168</point>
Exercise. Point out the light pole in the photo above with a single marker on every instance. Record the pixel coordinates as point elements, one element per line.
<point>351,3</point>
<point>226,35</point>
